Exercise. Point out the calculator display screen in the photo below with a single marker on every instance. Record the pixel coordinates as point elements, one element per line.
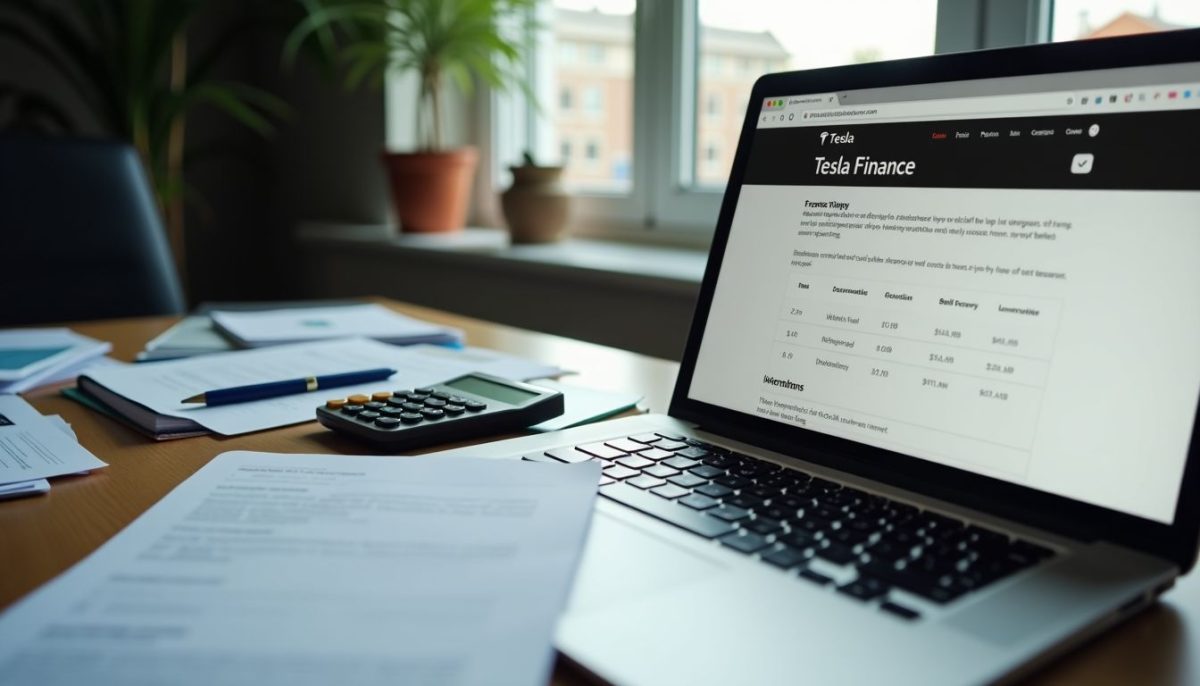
<point>490,390</point>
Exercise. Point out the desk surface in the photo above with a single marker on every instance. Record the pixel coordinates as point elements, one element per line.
<point>43,536</point>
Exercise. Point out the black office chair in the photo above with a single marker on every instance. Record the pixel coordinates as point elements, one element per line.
<point>80,235</point>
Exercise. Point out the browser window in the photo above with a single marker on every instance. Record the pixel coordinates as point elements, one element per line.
<point>1003,283</point>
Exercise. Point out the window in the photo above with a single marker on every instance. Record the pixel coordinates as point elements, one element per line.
<point>655,146</point>
<point>712,105</point>
<point>593,100</point>
<point>1080,19</point>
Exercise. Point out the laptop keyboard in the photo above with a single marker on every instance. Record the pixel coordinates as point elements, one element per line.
<point>828,533</point>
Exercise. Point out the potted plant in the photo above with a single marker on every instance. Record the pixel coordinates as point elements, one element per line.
<point>466,41</point>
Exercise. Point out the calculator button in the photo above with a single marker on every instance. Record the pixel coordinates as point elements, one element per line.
<point>411,418</point>
<point>453,409</point>
<point>404,391</point>
<point>414,397</point>
<point>432,413</point>
<point>387,422</point>
<point>391,412</point>
<point>368,415</point>
<point>359,399</point>
<point>351,409</point>
<point>381,396</point>
<point>435,402</point>
<point>374,405</point>
<point>441,396</point>
<point>457,400</point>
<point>423,391</point>
<point>475,406</point>
<point>412,407</point>
<point>397,401</point>
<point>335,403</point>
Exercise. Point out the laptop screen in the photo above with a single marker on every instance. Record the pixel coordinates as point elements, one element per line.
<point>997,275</point>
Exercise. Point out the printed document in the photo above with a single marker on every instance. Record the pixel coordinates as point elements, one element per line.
<point>319,569</point>
<point>160,387</point>
<point>35,447</point>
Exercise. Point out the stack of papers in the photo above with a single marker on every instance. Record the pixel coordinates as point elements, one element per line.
<point>34,447</point>
<point>32,357</point>
<point>320,569</point>
<point>150,396</point>
<point>191,336</point>
<point>297,325</point>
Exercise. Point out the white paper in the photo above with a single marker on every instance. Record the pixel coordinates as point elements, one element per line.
<point>161,386</point>
<point>307,569</point>
<point>34,447</point>
<point>22,489</point>
<point>79,351</point>
<point>583,405</point>
<point>292,325</point>
<point>489,361</point>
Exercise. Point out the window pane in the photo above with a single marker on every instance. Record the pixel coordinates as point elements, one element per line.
<point>1077,19</point>
<point>740,40</point>
<point>593,115</point>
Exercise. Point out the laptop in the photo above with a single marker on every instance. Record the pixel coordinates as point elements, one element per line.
<point>936,417</point>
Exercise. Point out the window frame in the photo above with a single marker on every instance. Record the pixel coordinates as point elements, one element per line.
<point>663,203</point>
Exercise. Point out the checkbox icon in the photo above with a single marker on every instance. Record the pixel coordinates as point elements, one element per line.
<point>1082,163</point>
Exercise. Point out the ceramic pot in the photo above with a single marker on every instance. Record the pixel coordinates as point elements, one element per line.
<point>431,191</point>
<point>536,207</point>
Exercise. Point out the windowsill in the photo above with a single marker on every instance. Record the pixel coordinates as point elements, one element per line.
<point>664,269</point>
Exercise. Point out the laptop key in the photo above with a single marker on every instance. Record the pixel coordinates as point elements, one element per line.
<point>645,481</point>
<point>625,445</point>
<point>670,444</point>
<point>784,557</point>
<point>656,454</point>
<point>678,462</point>
<point>864,588</point>
<point>728,513</point>
<point>646,439</point>
<point>745,541</point>
<point>568,455</point>
<point>698,502</point>
<point>693,452</point>
<point>836,553</point>
<point>666,510</point>
<point>634,462</point>
<point>662,471</point>
<point>669,491</point>
<point>671,436</point>
<point>900,611</point>
<point>619,472</point>
<point>763,526</point>
<point>687,480</point>
<point>600,450</point>
<point>714,490</point>
<point>706,471</point>
<point>539,457</point>
<point>815,577</point>
<point>606,480</point>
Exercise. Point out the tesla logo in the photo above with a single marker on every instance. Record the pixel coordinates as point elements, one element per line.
<point>836,138</point>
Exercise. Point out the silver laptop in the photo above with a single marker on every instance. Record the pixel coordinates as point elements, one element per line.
<point>936,417</point>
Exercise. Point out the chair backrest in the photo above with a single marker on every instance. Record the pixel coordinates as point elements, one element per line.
<point>80,234</point>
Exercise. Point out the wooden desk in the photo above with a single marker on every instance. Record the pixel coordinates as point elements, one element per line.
<point>43,536</point>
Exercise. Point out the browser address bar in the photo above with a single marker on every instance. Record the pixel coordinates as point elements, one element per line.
<point>997,105</point>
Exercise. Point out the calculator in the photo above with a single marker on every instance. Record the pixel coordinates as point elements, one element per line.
<point>467,406</point>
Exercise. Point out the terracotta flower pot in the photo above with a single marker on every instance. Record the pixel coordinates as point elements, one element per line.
<point>431,190</point>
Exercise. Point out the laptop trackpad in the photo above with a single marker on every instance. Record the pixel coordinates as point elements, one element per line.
<point>1098,578</point>
<point>623,562</point>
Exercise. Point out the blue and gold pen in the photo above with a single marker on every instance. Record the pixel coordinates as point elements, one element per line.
<point>274,389</point>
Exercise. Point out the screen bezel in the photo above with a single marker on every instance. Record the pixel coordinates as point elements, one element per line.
<point>1177,542</point>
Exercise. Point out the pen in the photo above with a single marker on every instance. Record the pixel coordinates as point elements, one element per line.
<point>274,389</point>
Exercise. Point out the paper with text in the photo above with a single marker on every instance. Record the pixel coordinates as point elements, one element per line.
<point>162,385</point>
<point>319,569</point>
<point>35,447</point>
